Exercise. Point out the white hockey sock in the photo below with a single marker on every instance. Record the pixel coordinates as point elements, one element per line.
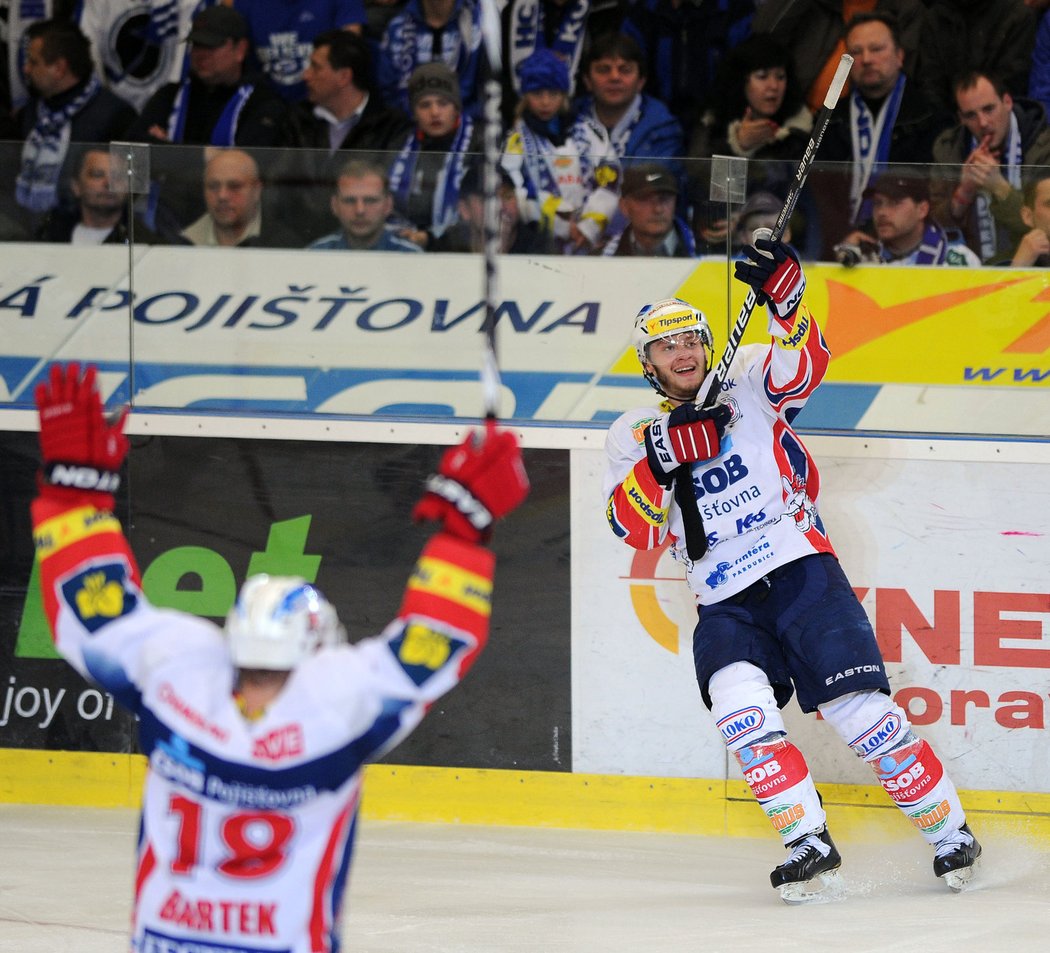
<point>915,778</point>
<point>779,777</point>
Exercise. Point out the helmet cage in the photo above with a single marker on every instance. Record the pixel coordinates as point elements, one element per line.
<point>664,319</point>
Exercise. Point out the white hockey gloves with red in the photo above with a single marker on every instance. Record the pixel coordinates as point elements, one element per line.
<point>688,434</point>
<point>774,272</point>
<point>477,482</point>
<point>82,449</point>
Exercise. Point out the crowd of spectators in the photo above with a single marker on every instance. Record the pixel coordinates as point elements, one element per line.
<point>358,124</point>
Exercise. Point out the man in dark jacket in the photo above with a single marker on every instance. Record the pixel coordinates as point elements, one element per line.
<point>885,119</point>
<point>342,113</point>
<point>812,31</point>
<point>997,136</point>
<point>217,104</point>
<point>100,217</point>
<point>68,104</point>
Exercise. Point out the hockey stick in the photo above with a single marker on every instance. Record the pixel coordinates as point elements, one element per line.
<point>820,125</point>
<point>693,523</point>
<point>493,95</point>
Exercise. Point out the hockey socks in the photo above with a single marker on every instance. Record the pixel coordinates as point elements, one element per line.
<point>779,777</point>
<point>914,777</point>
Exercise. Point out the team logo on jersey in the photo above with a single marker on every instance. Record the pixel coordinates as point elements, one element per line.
<point>639,427</point>
<point>99,595</point>
<point>718,577</point>
<point>422,651</point>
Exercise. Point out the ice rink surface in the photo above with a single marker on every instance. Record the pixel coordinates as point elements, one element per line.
<point>65,887</point>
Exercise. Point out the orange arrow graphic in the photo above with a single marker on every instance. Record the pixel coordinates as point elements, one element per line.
<point>856,319</point>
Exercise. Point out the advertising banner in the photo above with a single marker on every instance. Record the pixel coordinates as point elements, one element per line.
<point>202,513</point>
<point>948,557</point>
<point>353,334</point>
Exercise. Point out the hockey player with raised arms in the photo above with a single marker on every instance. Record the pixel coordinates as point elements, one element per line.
<point>256,735</point>
<point>776,614</point>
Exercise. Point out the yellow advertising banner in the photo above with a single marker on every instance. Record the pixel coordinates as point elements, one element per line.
<point>907,325</point>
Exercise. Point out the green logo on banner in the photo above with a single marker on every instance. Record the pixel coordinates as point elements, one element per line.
<point>163,579</point>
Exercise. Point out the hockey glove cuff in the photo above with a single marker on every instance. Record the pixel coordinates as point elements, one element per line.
<point>688,434</point>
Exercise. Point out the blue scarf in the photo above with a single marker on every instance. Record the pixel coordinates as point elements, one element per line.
<point>871,137</point>
<point>988,232</point>
<point>224,132</point>
<point>45,150</point>
<point>528,29</point>
<point>446,191</point>
<point>932,250</point>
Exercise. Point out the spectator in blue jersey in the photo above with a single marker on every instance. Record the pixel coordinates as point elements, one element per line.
<point>426,174</point>
<point>684,43</point>
<point>283,32</point>
<point>218,103</point>
<point>431,31</point>
<point>620,114</point>
<point>648,200</point>
<point>362,203</point>
<point>67,104</point>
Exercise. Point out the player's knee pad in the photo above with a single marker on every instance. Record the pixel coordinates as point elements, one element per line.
<point>870,722</point>
<point>744,706</point>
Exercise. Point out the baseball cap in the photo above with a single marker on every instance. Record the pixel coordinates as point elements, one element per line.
<point>648,177</point>
<point>895,185</point>
<point>215,25</point>
<point>434,79</point>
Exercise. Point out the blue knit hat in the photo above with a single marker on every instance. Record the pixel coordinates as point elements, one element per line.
<point>543,70</point>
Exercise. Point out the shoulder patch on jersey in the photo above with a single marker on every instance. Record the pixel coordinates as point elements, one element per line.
<point>100,594</point>
<point>421,651</point>
<point>639,427</point>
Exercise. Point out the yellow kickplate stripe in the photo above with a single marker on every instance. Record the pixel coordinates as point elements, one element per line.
<point>552,799</point>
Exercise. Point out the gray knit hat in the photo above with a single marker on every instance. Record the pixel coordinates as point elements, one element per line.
<point>434,79</point>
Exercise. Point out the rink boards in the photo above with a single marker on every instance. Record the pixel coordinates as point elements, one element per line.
<point>584,709</point>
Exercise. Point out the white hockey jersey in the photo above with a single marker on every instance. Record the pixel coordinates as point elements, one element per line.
<point>758,497</point>
<point>248,826</point>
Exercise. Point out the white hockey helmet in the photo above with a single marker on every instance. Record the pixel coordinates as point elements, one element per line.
<point>277,621</point>
<point>666,318</point>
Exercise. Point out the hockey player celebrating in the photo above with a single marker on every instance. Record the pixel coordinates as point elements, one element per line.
<point>256,735</point>
<point>776,613</point>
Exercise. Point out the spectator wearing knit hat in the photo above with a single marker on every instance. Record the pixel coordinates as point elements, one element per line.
<point>568,192</point>
<point>431,31</point>
<point>426,174</point>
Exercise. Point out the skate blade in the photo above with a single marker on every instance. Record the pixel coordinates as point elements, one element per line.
<point>959,880</point>
<point>824,888</point>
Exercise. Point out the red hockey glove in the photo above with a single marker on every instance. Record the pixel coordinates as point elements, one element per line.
<point>688,434</point>
<point>82,451</point>
<point>774,272</point>
<point>477,482</point>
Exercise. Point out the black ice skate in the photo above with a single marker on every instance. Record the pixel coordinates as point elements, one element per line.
<point>809,874</point>
<point>956,858</point>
